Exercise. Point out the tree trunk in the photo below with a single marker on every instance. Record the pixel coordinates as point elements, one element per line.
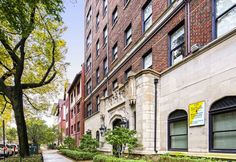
<point>17,104</point>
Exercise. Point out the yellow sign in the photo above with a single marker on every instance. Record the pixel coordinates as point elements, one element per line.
<point>197,114</point>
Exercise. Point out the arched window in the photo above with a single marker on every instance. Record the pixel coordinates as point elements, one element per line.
<point>97,136</point>
<point>222,125</point>
<point>178,131</point>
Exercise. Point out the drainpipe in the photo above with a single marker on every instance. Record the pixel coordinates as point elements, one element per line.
<point>155,117</point>
<point>187,17</point>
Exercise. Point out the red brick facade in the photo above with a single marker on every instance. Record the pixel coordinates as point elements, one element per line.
<point>198,30</point>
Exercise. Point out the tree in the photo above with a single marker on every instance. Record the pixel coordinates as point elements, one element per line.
<point>32,55</point>
<point>121,138</point>
<point>11,135</point>
<point>88,144</point>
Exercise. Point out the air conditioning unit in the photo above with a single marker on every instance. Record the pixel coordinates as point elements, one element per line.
<point>195,48</point>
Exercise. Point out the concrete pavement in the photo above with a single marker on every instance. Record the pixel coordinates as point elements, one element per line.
<point>53,156</point>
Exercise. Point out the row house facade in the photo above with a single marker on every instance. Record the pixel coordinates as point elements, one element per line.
<point>71,109</point>
<point>165,68</point>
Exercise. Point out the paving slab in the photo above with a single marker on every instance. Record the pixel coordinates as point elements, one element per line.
<point>54,156</point>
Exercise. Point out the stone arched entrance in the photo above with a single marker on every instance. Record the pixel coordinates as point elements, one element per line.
<point>116,148</point>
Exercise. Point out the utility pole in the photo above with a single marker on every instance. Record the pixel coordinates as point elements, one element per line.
<point>3,138</point>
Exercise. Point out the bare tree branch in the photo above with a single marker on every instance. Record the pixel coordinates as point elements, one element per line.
<point>28,100</point>
<point>6,102</point>
<point>4,66</point>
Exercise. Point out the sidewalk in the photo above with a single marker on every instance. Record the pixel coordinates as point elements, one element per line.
<point>53,156</point>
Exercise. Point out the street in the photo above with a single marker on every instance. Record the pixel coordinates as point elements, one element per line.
<point>53,156</point>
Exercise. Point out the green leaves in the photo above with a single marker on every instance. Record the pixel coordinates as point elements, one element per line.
<point>122,137</point>
<point>88,144</point>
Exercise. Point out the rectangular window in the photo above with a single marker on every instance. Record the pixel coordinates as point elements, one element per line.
<point>78,126</point>
<point>72,113</point>
<point>72,129</point>
<point>105,66</point>
<point>104,7</point>
<point>78,108</point>
<point>127,72</point>
<point>97,48</point>
<point>147,60</point>
<point>114,16</point>
<point>105,35</point>
<point>89,63</point>
<point>97,21</point>
<point>147,15</point>
<point>125,2</point>
<point>98,103</point>
<point>114,52</point>
<point>97,76</point>
<point>89,87</point>
<point>178,135</point>
<point>89,15</point>
<point>225,16</point>
<point>128,35</point>
<point>89,110</point>
<point>105,93</point>
<point>78,89</point>
<point>115,84</point>
<point>177,47</point>
<point>89,39</point>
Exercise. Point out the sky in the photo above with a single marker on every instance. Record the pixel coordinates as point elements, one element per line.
<point>73,18</point>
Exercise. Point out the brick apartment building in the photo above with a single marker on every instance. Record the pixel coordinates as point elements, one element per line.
<point>165,68</point>
<point>71,109</point>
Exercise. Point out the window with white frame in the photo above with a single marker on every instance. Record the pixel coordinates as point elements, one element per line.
<point>89,39</point>
<point>97,21</point>
<point>97,76</point>
<point>89,87</point>
<point>89,15</point>
<point>147,60</point>
<point>105,66</point>
<point>89,63</point>
<point>89,109</point>
<point>177,47</point>
<point>97,48</point>
<point>127,72</point>
<point>98,103</point>
<point>147,15</point>
<point>115,84</point>
<point>105,32</point>
<point>114,15</point>
<point>128,35</point>
<point>114,52</point>
<point>105,7</point>
<point>105,92</point>
<point>225,16</point>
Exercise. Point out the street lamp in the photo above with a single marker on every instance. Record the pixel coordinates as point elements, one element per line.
<point>3,136</point>
<point>103,129</point>
<point>124,122</point>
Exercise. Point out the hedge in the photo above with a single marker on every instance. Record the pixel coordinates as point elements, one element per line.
<point>34,158</point>
<point>77,155</point>
<point>104,158</point>
<point>165,158</point>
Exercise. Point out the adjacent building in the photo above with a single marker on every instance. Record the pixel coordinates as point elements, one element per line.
<point>71,109</point>
<point>165,69</point>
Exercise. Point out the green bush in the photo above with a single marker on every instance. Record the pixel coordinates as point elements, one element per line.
<point>183,158</point>
<point>70,142</point>
<point>34,158</point>
<point>104,158</point>
<point>88,144</point>
<point>77,155</point>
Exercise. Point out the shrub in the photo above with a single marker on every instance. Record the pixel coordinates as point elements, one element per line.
<point>77,155</point>
<point>70,142</point>
<point>104,158</point>
<point>122,138</point>
<point>88,144</point>
<point>183,158</point>
<point>34,158</point>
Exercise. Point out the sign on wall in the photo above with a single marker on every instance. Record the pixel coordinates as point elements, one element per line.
<point>197,114</point>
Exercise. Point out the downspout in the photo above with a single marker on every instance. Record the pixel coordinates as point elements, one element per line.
<point>155,117</point>
<point>188,26</point>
